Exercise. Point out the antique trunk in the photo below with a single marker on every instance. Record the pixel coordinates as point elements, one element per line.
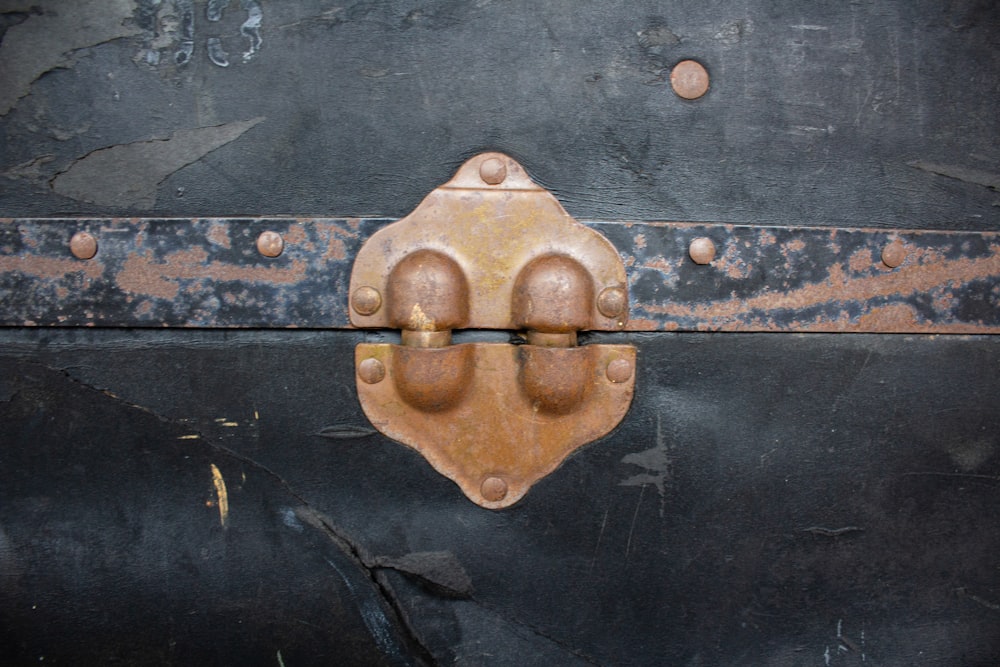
<point>499,332</point>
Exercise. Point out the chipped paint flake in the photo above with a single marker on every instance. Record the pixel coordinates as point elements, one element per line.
<point>127,175</point>
<point>221,494</point>
<point>47,40</point>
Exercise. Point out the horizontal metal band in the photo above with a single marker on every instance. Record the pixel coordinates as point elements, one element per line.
<point>210,273</point>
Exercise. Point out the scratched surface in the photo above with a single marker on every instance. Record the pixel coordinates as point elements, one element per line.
<point>840,114</point>
<point>208,273</point>
<point>769,500</point>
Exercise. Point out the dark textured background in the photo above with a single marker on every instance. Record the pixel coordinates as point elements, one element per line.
<point>769,500</point>
<point>819,114</point>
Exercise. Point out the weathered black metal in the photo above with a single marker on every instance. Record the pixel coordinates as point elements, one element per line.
<point>209,273</point>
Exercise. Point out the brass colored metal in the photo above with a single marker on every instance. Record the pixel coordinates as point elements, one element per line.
<point>270,244</point>
<point>546,339</point>
<point>490,249</point>
<point>494,489</point>
<point>426,338</point>
<point>366,300</point>
<point>553,293</point>
<point>83,245</point>
<point>612,301</point>
<point>689,79</point>
<point>619,370</point>
<point>371,371</point>
<point>491,233</point>
<point>489,410</point>
<point>493,171</point>
<point>702,250</point>
<point>427,291</point>
<point>894,254</point>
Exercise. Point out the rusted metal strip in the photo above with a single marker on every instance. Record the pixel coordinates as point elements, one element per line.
<point>810,279</point>
<point>210,273</point>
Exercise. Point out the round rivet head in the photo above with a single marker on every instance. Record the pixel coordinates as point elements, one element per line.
<point>893,254</point>
<point>371,371</point>
<point>493,171</point>
<point>612,301</point>
<point>494,489</point>
<point>689,79</point>
<point>83,245</point>
<point>619,370</point>
<point>270,244</point>
<point>702,250</point>
<point>366,300</point>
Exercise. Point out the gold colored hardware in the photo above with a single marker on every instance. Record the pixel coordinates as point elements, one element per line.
<point>490,249</point>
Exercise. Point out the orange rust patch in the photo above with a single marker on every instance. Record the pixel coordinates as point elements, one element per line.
<point>640,241</point>
<point>643,325</point>
<point>767,238</point>
<point>162,280</point>
<point>795,245</point>
<point>218,234</point>
<point>50,268</point>
<point>296,233</point>
<point>861,260</point>
<point>930,272</point>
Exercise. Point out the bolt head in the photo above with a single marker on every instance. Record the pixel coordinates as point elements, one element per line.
<point>612,301</point>
<point>494,489</point>
<point>689,79</point>
<point>371,371</point>
<point>270,244</point>
<point>702,250</point>
<point>493,171</point>
<point>366,300</point>
<point>619,370</point>
<point>894,254</point>
<point>83,245</point>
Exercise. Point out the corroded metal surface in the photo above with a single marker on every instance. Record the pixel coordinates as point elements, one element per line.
<point>185,273</point>
<point>810,279</point>
<point>492,225</point>
<point>208,273</point>
<point>487,415</point>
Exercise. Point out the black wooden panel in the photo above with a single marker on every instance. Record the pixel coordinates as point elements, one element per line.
<point>770,499</point>
<point>860,114</point>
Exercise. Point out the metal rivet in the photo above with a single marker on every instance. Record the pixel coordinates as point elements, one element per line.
<point>689,79</point>
<point>612,301</point>
<point>371,371</point>
<point>702,250</point>
<point>893,254</point>
<point>270,244</point>
<point>619,370</point>
<point>493,171</point>
<point>494,489</point>
<point>83,245</point>
<point>366,300</point>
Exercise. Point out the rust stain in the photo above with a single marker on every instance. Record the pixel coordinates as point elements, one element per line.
<point>640,241</point>
<point>218,234</point>
<point>795,245</point>
<point>163,280</point>
<point>767,238</point>
<point>296,233</point>
<point>49,268</point>
<point>861,260</point>
<point>927,272</point>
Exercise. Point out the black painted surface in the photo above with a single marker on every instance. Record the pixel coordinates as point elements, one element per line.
<point>764,491</point>
<point>819,114</point>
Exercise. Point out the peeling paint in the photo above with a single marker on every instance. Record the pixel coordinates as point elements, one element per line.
<point>127,175</point>
<point>174,28</point>
<point>221,494</point>
<point>47,40</point>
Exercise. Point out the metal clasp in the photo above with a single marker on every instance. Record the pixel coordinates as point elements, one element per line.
<point>491,249</point>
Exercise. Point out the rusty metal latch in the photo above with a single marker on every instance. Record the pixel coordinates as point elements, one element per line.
<point>491,249</point>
